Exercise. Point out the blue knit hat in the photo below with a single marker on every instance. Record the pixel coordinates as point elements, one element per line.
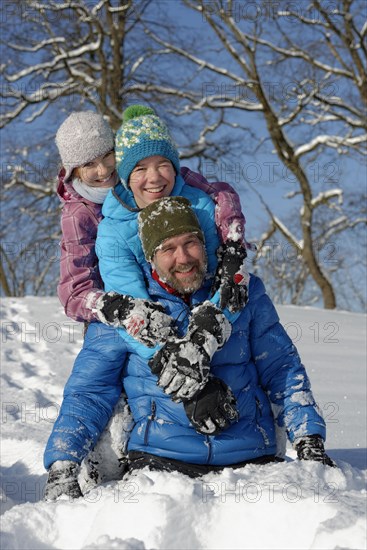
<point>142,134</point>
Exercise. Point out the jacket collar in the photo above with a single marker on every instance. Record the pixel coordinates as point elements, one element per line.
<point>66,192</point>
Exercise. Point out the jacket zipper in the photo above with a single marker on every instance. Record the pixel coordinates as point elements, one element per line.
<point>151,418</point>
<point>209,444</point>
<point>258,406</point>
<point>259,427</point>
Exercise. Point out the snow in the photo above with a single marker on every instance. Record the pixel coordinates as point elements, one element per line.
<point>287,505</point>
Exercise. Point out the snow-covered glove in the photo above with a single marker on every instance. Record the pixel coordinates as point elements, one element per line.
<point>182,367</point>
<point>183,364</point>
<point>213,409</point>
<point>311,447</point>
<point>145,321</point>
<point>63,480</point>
<point>231,277</point>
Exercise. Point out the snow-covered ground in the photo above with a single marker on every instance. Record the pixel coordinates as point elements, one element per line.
<point>280,506</point>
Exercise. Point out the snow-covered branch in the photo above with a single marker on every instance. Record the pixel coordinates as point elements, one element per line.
<point>330,141</point>
<point>325,196</point>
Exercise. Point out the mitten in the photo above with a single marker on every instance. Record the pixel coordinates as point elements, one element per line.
<point>63,480</point>
<point>311,447</point>
<point>213,409</point>
<point>145,321</point>
<point>183,364</point>
<point>232,277</point>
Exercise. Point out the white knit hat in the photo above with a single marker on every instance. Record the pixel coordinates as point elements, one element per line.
<point>82,137</point>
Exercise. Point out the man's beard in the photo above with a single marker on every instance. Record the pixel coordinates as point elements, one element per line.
<point>183,285</point>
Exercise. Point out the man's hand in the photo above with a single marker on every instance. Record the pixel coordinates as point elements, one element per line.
<point>145,321</point>
<point>209,327</point>
<point>63,480</point>
<point>182,368</point>
<point>311,447</point>
<point>232,277</point>
<point>213,409</point>
<point>183,364</point>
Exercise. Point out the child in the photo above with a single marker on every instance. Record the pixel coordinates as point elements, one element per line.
<point>81,290</point>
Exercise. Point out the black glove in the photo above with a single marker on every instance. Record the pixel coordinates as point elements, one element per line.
<point>311,447</point>
<point>145,321</point>
<point>63,480</point>
<point>213,408</point>
<point>231,277</point>
<point>182,368</point>
<point>183,364</point>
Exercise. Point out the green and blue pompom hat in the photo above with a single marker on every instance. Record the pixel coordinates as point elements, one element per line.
<point>142,134</point>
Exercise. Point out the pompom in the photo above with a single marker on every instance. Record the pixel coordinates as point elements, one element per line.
<point>135,111</point>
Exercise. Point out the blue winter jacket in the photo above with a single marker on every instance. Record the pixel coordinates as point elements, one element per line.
<point>118,244</point>
<point>259,363</point>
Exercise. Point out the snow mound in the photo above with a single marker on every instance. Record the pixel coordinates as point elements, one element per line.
<point>296,505</point>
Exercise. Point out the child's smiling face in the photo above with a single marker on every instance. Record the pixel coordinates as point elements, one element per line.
<point>151,179</point>
<point>100,172</point>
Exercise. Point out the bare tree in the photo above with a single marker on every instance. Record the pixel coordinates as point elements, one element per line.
<point>57,57</point>
<point>319,54</point>
<point>83,54</point>
<point>247,80</point>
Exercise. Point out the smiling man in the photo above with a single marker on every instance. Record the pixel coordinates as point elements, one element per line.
<point>180,259</point>
<point>203,401</point>
<point>181,263</point>
<point>254,359</point>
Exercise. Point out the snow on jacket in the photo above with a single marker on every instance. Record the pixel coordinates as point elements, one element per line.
<point>259,363</point>
<point>80,283</point>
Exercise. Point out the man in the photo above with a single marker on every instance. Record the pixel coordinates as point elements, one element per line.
<point>203,402</point>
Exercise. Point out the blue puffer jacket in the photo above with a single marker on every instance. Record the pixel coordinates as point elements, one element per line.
<point>118,244</point>
<point>259,363</point>
<point>119,249</point>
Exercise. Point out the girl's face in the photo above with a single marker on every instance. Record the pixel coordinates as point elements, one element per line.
<point>99,172</point>
<point>152,179</point>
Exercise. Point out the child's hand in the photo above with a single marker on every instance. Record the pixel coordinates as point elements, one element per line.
<point>232,277</point>
<point>145,321</point>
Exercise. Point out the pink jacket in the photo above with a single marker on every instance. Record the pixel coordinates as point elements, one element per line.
<point>80,283</point>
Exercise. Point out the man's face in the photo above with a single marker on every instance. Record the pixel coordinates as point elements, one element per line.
<point>181,262</point>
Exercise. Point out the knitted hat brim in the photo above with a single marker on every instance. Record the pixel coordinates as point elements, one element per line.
<point>166,218</point>
<point>158,243</point>
<point>99,149</point>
